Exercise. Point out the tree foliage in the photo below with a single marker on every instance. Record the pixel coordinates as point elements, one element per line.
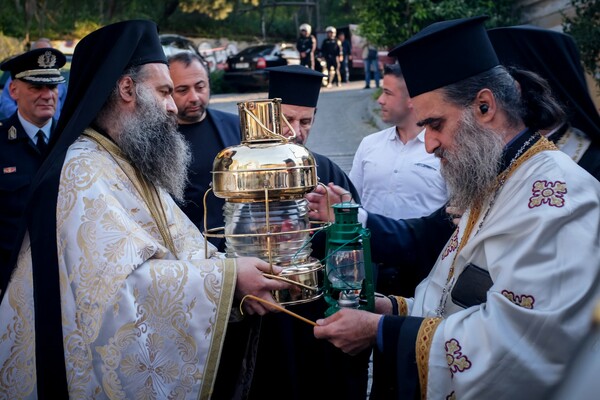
<point>24,18</point>
<point>584,26</point>
<point>390,22</point>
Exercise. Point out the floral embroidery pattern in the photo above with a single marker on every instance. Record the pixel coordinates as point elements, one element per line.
<point>455,359</point>
<point>149,365</point>
<point>524,301</point>
<point>452,245</point>
<point>551,193</point>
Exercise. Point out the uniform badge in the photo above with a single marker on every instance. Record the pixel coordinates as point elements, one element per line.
<point>12,133</point>
<point>47,60</point>
<point>9,170</point>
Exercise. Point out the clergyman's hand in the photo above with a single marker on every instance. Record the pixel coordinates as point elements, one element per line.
<point>250,280</point>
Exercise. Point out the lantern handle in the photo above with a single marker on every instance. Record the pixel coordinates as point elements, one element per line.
<point>266,128</point>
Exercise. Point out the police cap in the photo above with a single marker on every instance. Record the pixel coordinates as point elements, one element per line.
<point>38,67</point>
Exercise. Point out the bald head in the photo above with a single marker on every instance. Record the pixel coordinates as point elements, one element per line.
<point>41,43</point>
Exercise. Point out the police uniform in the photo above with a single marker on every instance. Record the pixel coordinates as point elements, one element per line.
<point>20,156</point>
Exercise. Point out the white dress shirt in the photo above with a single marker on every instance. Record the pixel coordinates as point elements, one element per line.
<point>395,179</point>
<point>32,130</point>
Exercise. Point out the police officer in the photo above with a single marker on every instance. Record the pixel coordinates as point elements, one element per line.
<point>331,49</point>
<point>306,46</point>
<point>24,135</point>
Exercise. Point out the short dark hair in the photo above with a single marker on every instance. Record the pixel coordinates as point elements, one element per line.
<point>393,69</point>
<point>187,57</point>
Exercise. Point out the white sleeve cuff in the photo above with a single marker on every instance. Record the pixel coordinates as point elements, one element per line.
<point>362,216</point>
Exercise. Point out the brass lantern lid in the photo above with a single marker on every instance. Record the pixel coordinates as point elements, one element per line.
<point>265,165</point>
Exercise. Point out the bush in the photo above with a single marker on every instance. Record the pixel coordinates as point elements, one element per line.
<point>218,85</point>
<point>584,28</point>
<point>9,46</point>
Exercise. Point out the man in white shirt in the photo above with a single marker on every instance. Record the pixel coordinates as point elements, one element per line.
<point>392,171</point>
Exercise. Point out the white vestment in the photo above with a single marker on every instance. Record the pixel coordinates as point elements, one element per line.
<point>539,239</point>
<point>138,321</point>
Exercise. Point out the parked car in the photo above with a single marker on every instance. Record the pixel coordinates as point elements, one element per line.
<point>173,44</point>
<point>246,69</point>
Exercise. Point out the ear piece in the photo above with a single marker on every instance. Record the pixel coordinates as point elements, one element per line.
<point>484,108</point>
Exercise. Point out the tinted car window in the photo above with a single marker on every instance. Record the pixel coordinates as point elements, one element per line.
<point>256,51</point>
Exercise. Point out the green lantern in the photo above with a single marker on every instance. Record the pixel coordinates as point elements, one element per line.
<point>348,280</point>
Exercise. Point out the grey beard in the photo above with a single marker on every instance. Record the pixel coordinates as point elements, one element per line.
<point>473,164</point>
<point>152,143</point>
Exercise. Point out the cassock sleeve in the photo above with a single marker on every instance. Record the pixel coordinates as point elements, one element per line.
<point>412,243</point>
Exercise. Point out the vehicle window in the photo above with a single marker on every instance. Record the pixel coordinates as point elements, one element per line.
<point>289,53</point>
<point>256,51</point>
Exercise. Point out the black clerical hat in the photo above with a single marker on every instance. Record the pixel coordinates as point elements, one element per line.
<point>554,56</point>
<point>295,85</point>
<point>99,60</point>
<point>444,53</point>
<point>38,67</point>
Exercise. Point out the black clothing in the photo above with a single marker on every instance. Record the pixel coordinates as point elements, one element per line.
<point>20,159</point>
<point>328,171</point>
<point>217,131</point>
<point>291,362</point>
<point>412,246</point>
<point>590,161</point>
<point>331,50</point>
<point>305,44</point>
<point>295,85</point>
<point>345,64</point>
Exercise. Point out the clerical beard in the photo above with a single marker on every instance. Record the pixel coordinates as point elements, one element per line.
<point>152,143</point>
<point>472,164</point>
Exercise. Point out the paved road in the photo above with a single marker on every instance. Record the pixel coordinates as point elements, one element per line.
<point>344,116</point>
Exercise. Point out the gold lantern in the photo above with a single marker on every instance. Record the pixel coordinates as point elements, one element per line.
<point>263,181</point>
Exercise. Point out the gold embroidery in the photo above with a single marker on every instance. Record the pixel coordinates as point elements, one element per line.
<point>223,309</point>
<point>542,144</point>
<point>126,303</point>
<point>17,374</point>
<point>145,188</point>
<point>402,306</point>
<point>423,347</point>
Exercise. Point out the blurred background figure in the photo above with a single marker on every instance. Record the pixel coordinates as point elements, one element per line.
<point>371,61</point>
<point>346,58</point>
<point>331,50</point>
<point>306,46</point>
